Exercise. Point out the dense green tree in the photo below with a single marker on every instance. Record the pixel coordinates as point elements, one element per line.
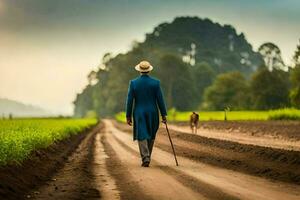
<point>297,55</point>
<point>84,102</point>
<point>270,90</point>
<point>295,95</point>
<point>295,80</point>
<point>203,76</point>
<point>100,92</point>
<point>272,56</point>
<point>177,82</point>
<point>219,46</point>
<point>199,40</point>
<point>229,90</point>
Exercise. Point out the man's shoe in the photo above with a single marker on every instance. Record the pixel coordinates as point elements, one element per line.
<point>146,164</point>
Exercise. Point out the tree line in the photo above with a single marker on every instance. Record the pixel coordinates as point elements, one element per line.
<point>273,85</point>
<point>201,65</point>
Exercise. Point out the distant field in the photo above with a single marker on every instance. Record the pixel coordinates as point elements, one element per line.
<point>19,137</point>
<point>282,114</point>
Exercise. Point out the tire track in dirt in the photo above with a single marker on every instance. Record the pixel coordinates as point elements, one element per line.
<point>75,179</point>
<point>84,174</point>
<point>234,183</point>
<point>106,165</point>
<point>206,190</point>
<point>153,182</point>
<point>126,187</point>
<point>274,164</point>
<point>18,181</point>
<point>104,182</point>
<point>241,138</point>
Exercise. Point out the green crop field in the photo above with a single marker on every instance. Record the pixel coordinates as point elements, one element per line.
<point>19,137</point>
<point>281,114</point>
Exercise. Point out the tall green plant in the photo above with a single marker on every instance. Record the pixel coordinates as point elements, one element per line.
<point>295,79</point>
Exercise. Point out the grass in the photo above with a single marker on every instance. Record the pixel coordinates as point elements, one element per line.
<point>121,117</point>
<point>281,114</point>
<point>19,137</point>
<point>285,114</point>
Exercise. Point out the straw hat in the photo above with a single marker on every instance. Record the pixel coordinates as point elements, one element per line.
<point>143,66</point>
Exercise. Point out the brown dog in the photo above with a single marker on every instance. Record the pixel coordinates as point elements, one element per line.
<point>194,121</point>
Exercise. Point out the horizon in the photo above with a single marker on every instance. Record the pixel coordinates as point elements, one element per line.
<point>57,43</point>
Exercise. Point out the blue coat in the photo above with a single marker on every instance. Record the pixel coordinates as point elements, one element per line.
<point>144,99</point>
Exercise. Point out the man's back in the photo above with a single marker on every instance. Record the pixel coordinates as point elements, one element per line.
<point>144,99</point>
<point>145,91</point>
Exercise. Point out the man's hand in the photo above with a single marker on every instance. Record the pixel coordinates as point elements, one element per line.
<point>164,119</point>
<point>129,121</point>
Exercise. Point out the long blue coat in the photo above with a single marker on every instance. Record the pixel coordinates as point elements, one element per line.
<point>144,99</point>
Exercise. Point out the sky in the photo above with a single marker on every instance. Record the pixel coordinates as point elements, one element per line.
<point>47,47</point>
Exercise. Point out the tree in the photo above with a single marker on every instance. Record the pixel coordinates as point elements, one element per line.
<point>203,40</point>
<point>203,76</point>
<point>270,90</point>
<point>105,61</point>
<point>229,90</point>
<point>295,80</point>
<point>92,77</point>
<point>120,72</point>
<point>272,56</point>
<point>84,102</point>
<point>100,92</point>
<point>295,97</point>
<point>177,82</point>
<point>297,55</point>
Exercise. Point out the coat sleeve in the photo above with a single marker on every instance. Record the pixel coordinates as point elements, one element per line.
<point>129,101</point>
<point>160,101</point>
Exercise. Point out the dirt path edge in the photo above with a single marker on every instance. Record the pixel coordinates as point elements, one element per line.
<point>19,180</point>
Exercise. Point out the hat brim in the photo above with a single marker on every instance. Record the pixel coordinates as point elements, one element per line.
<point>137,68</point>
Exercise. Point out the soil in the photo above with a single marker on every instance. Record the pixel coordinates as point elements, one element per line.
<point>271,163</point>
<point>17,181</point>
<point>75,179</point>
<point>279,129</point>
<point>209,181</point>
<point>104,163</point>
<point>128,187</point>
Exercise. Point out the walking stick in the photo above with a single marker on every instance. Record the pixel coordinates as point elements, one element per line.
<point>171,144</point>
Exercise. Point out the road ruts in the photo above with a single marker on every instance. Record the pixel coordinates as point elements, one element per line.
<point>106,165</point>
<point>219,183</point>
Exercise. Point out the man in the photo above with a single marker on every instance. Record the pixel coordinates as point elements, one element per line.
<point>194,120</point>
<point>144,99</point>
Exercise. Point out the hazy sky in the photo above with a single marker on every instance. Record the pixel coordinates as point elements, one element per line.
<point>47,47</point>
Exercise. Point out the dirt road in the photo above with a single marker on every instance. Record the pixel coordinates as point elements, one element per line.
<point>265,141</point>
<point>106,165</point>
